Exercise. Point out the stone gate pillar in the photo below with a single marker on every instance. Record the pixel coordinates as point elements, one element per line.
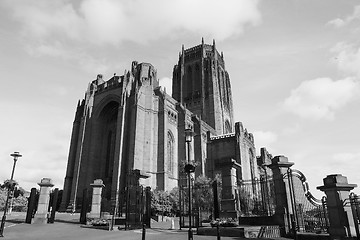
<point>337,190</point>
<point>43,203</point>
<point>97,186</point>
<point>230,205</point>
<point>279,166</point>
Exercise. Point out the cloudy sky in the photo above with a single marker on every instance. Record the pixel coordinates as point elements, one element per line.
<point>294,67</point>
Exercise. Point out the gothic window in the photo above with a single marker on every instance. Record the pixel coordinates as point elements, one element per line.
<point>108,153</point>
<point>223,86</point>
<point>197,81</point>
<point>170,153</point>
<point>227,127</point>
<point>252,170</point>
<point>251,159</point>
<point>189,82</point>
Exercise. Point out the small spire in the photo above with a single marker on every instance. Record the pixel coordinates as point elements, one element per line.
<point>214,42</point>
<point>202,40</point>
<point>182,48</point>
<point>222,54</point>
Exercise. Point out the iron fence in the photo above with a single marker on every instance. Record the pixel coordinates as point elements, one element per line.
<point>257,197</point>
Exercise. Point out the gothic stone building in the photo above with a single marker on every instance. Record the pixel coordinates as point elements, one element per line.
<point>129,122</point>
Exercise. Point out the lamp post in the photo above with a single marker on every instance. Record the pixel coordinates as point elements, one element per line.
<point>189,168</point>
<point>16,155</point>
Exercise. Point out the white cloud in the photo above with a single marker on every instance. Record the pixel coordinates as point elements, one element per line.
<point>337,22</point>
<point>340,162</point>
<point>113,21</point>
<point>59,50</point>
<point>347,58</point>
<point>346,157</point>
<point>265,139</point>
<point>291,130</point>
<point>320,98</point>
<point>166,83</point>
<point>341,22</point>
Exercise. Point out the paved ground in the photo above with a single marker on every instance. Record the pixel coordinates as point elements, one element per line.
<point>67,228</point>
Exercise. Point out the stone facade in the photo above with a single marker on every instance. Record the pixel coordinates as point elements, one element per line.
<point>129,122</point>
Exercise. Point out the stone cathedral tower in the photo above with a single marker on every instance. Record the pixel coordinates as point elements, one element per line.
<point>201,83</point>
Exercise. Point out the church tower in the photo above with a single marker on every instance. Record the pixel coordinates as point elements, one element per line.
<point>202,84</point>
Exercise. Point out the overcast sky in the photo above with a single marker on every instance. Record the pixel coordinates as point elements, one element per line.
<point>294,67</point>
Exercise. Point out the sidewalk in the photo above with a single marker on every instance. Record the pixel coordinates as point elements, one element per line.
<point>66,227</point>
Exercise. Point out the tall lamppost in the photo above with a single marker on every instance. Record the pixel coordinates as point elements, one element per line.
<point>16,155</point>
<point>189,168</point>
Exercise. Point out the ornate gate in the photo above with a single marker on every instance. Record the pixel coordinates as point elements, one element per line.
<point>257,197</point>
<point>184,208</point>
<point>307,213</point>
<point>202,204</point>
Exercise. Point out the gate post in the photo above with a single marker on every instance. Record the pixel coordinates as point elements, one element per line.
<point>147,217</point>
<point>229,203</point>
<point>41,216</point>
<point>53,206</point>
<point>216,200</point>
<point>337,190</point>
<point>31,206</point>
<point>279,166</point>
<point>84,206</point>
<point>96,198</point>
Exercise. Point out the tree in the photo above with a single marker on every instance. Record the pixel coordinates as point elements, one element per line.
<point>160,202</point>
<point>16,196</point>
<point>204,193</point>
<point>174,200</point>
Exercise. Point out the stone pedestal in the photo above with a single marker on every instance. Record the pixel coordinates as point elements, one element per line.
<point>41,216</point>
<point>230,202</point>
<point>337,190</point>
<point>279,166</point>
<point>97,186</point>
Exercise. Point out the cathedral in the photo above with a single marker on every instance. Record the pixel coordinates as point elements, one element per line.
<point>130,123</point>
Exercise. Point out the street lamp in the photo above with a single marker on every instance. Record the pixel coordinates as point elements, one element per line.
<point>16,155</point>
<point>189,168</point>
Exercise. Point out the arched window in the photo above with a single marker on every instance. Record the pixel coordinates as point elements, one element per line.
<point>197,81</point>
<point>170,153</point>
<point>252,170</point>
<point>189,81</point>
<point>227,127</point>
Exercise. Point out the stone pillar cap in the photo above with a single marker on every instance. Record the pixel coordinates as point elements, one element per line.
<point>280,161</point>
<point>46,182</point>
<point>336,181</point>
<point>140,173</point>
<point>98,183</point>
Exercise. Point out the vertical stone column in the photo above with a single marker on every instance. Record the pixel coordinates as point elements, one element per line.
<point>96,198</point>
<point>147,215</point>
<point>337,190</point>
<point>43,203</point>
<point>229,199</point>
<point>279,166</point>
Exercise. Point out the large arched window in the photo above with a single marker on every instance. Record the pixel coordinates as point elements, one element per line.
<point>197,81</point>
<point>189,81</point>
<point>252,170</point>
<point>170,153</point>
<point>227,127</point>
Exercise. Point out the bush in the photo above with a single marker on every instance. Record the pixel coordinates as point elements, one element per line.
<point>228,222</point>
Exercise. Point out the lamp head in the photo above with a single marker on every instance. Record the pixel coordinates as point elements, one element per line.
<point>189,168</point>
<point>188,135</point>
<point>16,155</point>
